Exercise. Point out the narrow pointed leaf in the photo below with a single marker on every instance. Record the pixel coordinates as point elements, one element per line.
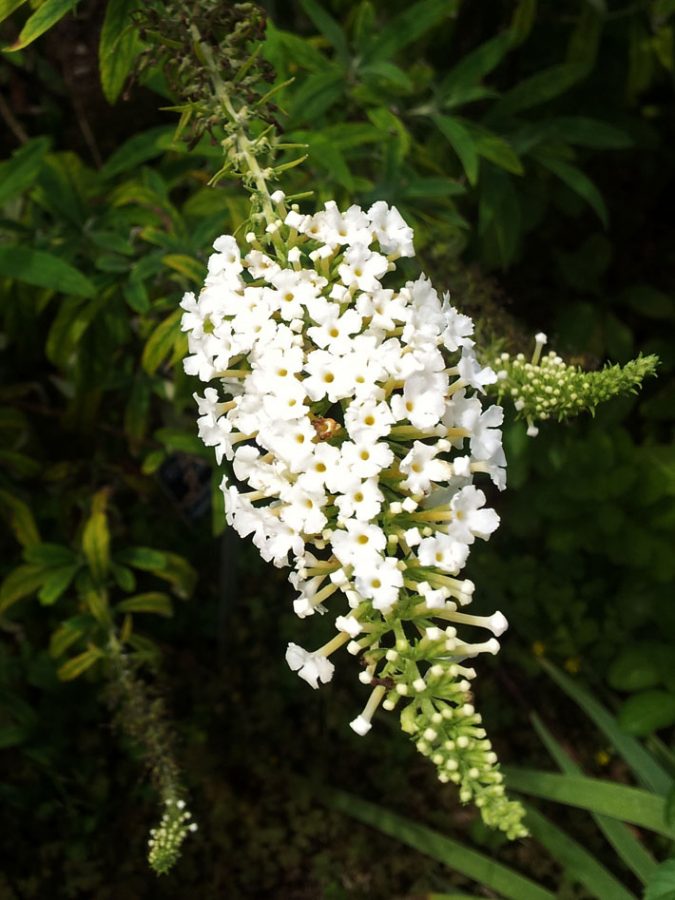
<point>43,270</point>
<point>42,20</point>
<point>457,856</point>
<point>19,172</point>
<point>118,47</point>
<point>581,865</point>
<point>327,26</point>
<point>462,143</point>
<point>581,184</point>
<point>631,851</point>
<point>410,25</point>
<point>627,804</point>
<point>646,769</point>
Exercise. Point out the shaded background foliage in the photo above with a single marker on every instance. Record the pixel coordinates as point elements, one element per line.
<point>531,149</point>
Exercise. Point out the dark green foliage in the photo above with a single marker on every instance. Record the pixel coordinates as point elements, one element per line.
<point>533,146</point>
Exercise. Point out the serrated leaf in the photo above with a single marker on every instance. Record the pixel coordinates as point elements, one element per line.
<point>78,665</point>
<point>19,172</point>
<point>44,17</point>
<point>21,582</point>
<point>96,538</point>
<point>161,342</point>
<point>578,182</point>
<point>462,143</point>
<point>646,712</point>
<point>56,583</point>
<point>118,47</point>
<point>151,602</point>
<point>20,519</point>
<point>43,270</point>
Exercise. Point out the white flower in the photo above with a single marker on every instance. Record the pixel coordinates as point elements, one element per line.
<point>313,667</point>
<point>421,467</point>
<point>379,579</point>
<point>470,521</point>
<point>393,234</point>
<point>363,501</point>
<point>443,552</point>
<point>364,460</point>
<point>362,268</point>
<point>357,543</point>
<point>367,421</point>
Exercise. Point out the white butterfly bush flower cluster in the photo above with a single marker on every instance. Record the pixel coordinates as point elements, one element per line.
<point>349,410</point>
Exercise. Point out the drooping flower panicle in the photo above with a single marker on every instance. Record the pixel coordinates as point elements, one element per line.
<point>350,407</point>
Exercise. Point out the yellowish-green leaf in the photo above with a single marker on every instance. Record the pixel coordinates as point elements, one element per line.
<point>56,583</point>
<point>7,7</point>
<point>67,634</point>
<point>161,342</point>
<point>152,602</point>
<point>96,538</point>
<point>20,519</point>
<point>79,664</point>
<point>186,265</point>
<point>44,17</point>
<point>118,47</point>
<point>18,173</point>
<point>21,582</point>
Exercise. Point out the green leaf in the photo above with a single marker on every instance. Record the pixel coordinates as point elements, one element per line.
<point>56,583</point>
<point>42,20</point>
<point>191,268</point>
<point>587,132</point>
<point>152,602</point>
<point>523,20</point>
<point>79,664</point>
<point>327,26</point>
<point>462,143</point>
<point>317,94</point>
<point>21,582</point>
<point>634,669</point>
<point>646,712</point>
<point>179,573</point>
<point>7,7</point>
<point>43,270</point>
<point>20,172</point>
<point>20,519</point>
<point>662,884</point>
<point>68,632</point>
<point>387,72</point>
<point>136,295</point>
<point>474,66</point>
<point>138,149</point>
<point>470,863</point>
<point>96,538</point>
<point>410,25</point>
<point>630,850</point>
<point>644,766</point>
<point>161,342</point>
<point>495,149</point>
<point>118,47</point>
<point>47,554</point>
<point>539,88</point>
<point>581,866</point>
<point>144,558</point>
<point>74,317</point>
<point>628,804</point>
<point>578,182</point>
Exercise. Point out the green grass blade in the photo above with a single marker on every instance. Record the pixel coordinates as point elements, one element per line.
<point>627,804</point>
<point>579,863</point>
<point>470,863</point>
<point>451,897</point>
<point>630,850</point>
<point>647,770</point>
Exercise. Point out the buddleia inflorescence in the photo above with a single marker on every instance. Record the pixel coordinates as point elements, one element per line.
<point>349,409</point>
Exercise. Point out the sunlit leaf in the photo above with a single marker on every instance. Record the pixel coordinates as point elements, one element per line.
<point>44,17</point>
